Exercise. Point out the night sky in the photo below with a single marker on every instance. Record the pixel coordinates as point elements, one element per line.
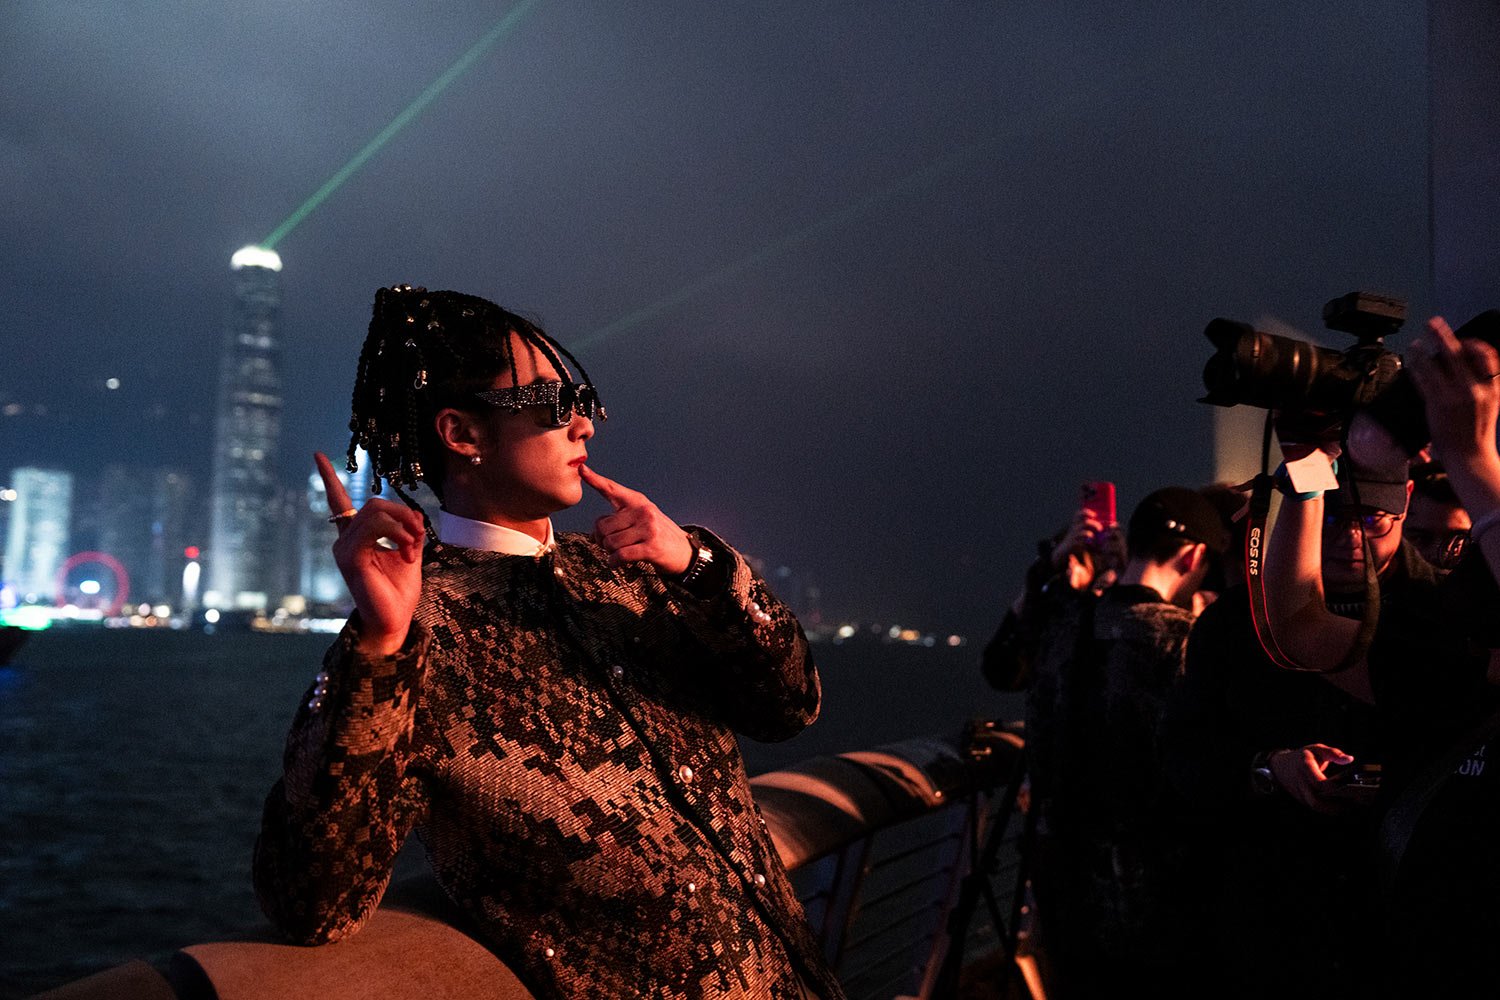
<point>869,287</point>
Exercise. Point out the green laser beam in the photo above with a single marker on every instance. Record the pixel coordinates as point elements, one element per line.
<point>416,107</point>
<point>776,247</point>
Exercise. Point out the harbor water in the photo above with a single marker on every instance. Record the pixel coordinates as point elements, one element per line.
<point>133,764</point>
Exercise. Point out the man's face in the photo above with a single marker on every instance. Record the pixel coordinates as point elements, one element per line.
<point>1432,524</point>
<point>529,467</point>
<point>1345,531</point>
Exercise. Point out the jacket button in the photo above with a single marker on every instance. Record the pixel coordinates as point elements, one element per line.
<point>548,952</point>
<point>692,887</point>
<point>617,671</point>
<point>685,773</point>
<point>759,880</point>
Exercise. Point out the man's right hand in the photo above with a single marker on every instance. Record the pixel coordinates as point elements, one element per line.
<point>1302,774</point>
<point>385,582</point>
<point>1072,556</point>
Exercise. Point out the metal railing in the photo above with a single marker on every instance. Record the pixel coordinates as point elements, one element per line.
<point>881,846</point>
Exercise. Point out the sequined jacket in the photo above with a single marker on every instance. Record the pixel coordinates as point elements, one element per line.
<point>561,735</point>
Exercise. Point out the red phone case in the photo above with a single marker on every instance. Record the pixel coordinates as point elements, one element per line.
<point>1099,500</point>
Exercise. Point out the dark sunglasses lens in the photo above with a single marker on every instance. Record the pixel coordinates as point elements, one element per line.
<point>562,408</point>
<point>588,402</point>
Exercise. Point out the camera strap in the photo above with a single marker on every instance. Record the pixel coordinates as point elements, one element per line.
<point>1255,554</point>
<point>1258,511</point>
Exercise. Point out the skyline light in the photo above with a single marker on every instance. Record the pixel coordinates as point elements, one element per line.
<point>254,256</point>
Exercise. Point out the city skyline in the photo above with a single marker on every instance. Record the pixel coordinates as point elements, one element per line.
<point>140,526</point>
<point>871,292</point>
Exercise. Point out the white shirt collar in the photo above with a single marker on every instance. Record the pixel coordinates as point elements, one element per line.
<point>455,530</point>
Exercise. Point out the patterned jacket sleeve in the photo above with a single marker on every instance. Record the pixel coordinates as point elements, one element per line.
<point>348,796</point>
<point>758,670</point>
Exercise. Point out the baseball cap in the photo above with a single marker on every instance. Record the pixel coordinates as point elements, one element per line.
<point>1381,487</point>
<point>1180,511</point>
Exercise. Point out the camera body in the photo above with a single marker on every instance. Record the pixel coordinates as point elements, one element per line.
<point>1282,373</point>
<point>1265,370</point>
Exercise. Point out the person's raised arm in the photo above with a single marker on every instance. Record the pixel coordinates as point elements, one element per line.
<point>346,801</point>
<point>1460,385</point>
<point>1301,624</point>
<point>757,668</point>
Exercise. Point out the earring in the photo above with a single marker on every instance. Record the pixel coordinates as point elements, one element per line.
<point>475,459</point>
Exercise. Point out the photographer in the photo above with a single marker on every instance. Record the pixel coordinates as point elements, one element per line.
<point>1106,850</point>
<point>1264,761</point>
<point>1425,671</point>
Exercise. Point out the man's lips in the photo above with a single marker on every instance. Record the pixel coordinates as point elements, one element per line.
<point>579,461</point>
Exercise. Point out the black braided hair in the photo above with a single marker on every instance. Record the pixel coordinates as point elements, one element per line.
<point>426,351</point>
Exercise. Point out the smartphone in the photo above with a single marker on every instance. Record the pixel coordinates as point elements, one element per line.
<point>1099,500</point>
<point>1356,783</point>
<point>1357,774</point>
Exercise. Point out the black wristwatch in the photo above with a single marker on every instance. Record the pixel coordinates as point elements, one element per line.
<point>697,567</point>
<point>1262,778</point>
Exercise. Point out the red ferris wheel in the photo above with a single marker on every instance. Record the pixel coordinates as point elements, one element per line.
<point>121,578</point>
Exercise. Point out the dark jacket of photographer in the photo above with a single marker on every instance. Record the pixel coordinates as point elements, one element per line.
<point>1438,864</point>
<point>1009,657</point>
<point>1103,671</point>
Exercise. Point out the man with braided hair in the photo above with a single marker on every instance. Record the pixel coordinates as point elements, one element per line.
<point>555,714</point>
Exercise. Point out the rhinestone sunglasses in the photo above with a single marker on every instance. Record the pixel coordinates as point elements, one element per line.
<point>561,400</point>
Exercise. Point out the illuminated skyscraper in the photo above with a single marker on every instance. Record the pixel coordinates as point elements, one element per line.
<point>36,538</point>
<point>246,433</point>
<point>146,518</point>
<point>320,580</point>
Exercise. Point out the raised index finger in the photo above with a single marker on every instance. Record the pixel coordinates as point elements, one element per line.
<point>619,497</point>
<point>1443,333</point>
<point>338,497</point>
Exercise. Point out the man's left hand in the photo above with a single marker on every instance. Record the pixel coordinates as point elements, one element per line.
<point>638,531</point>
